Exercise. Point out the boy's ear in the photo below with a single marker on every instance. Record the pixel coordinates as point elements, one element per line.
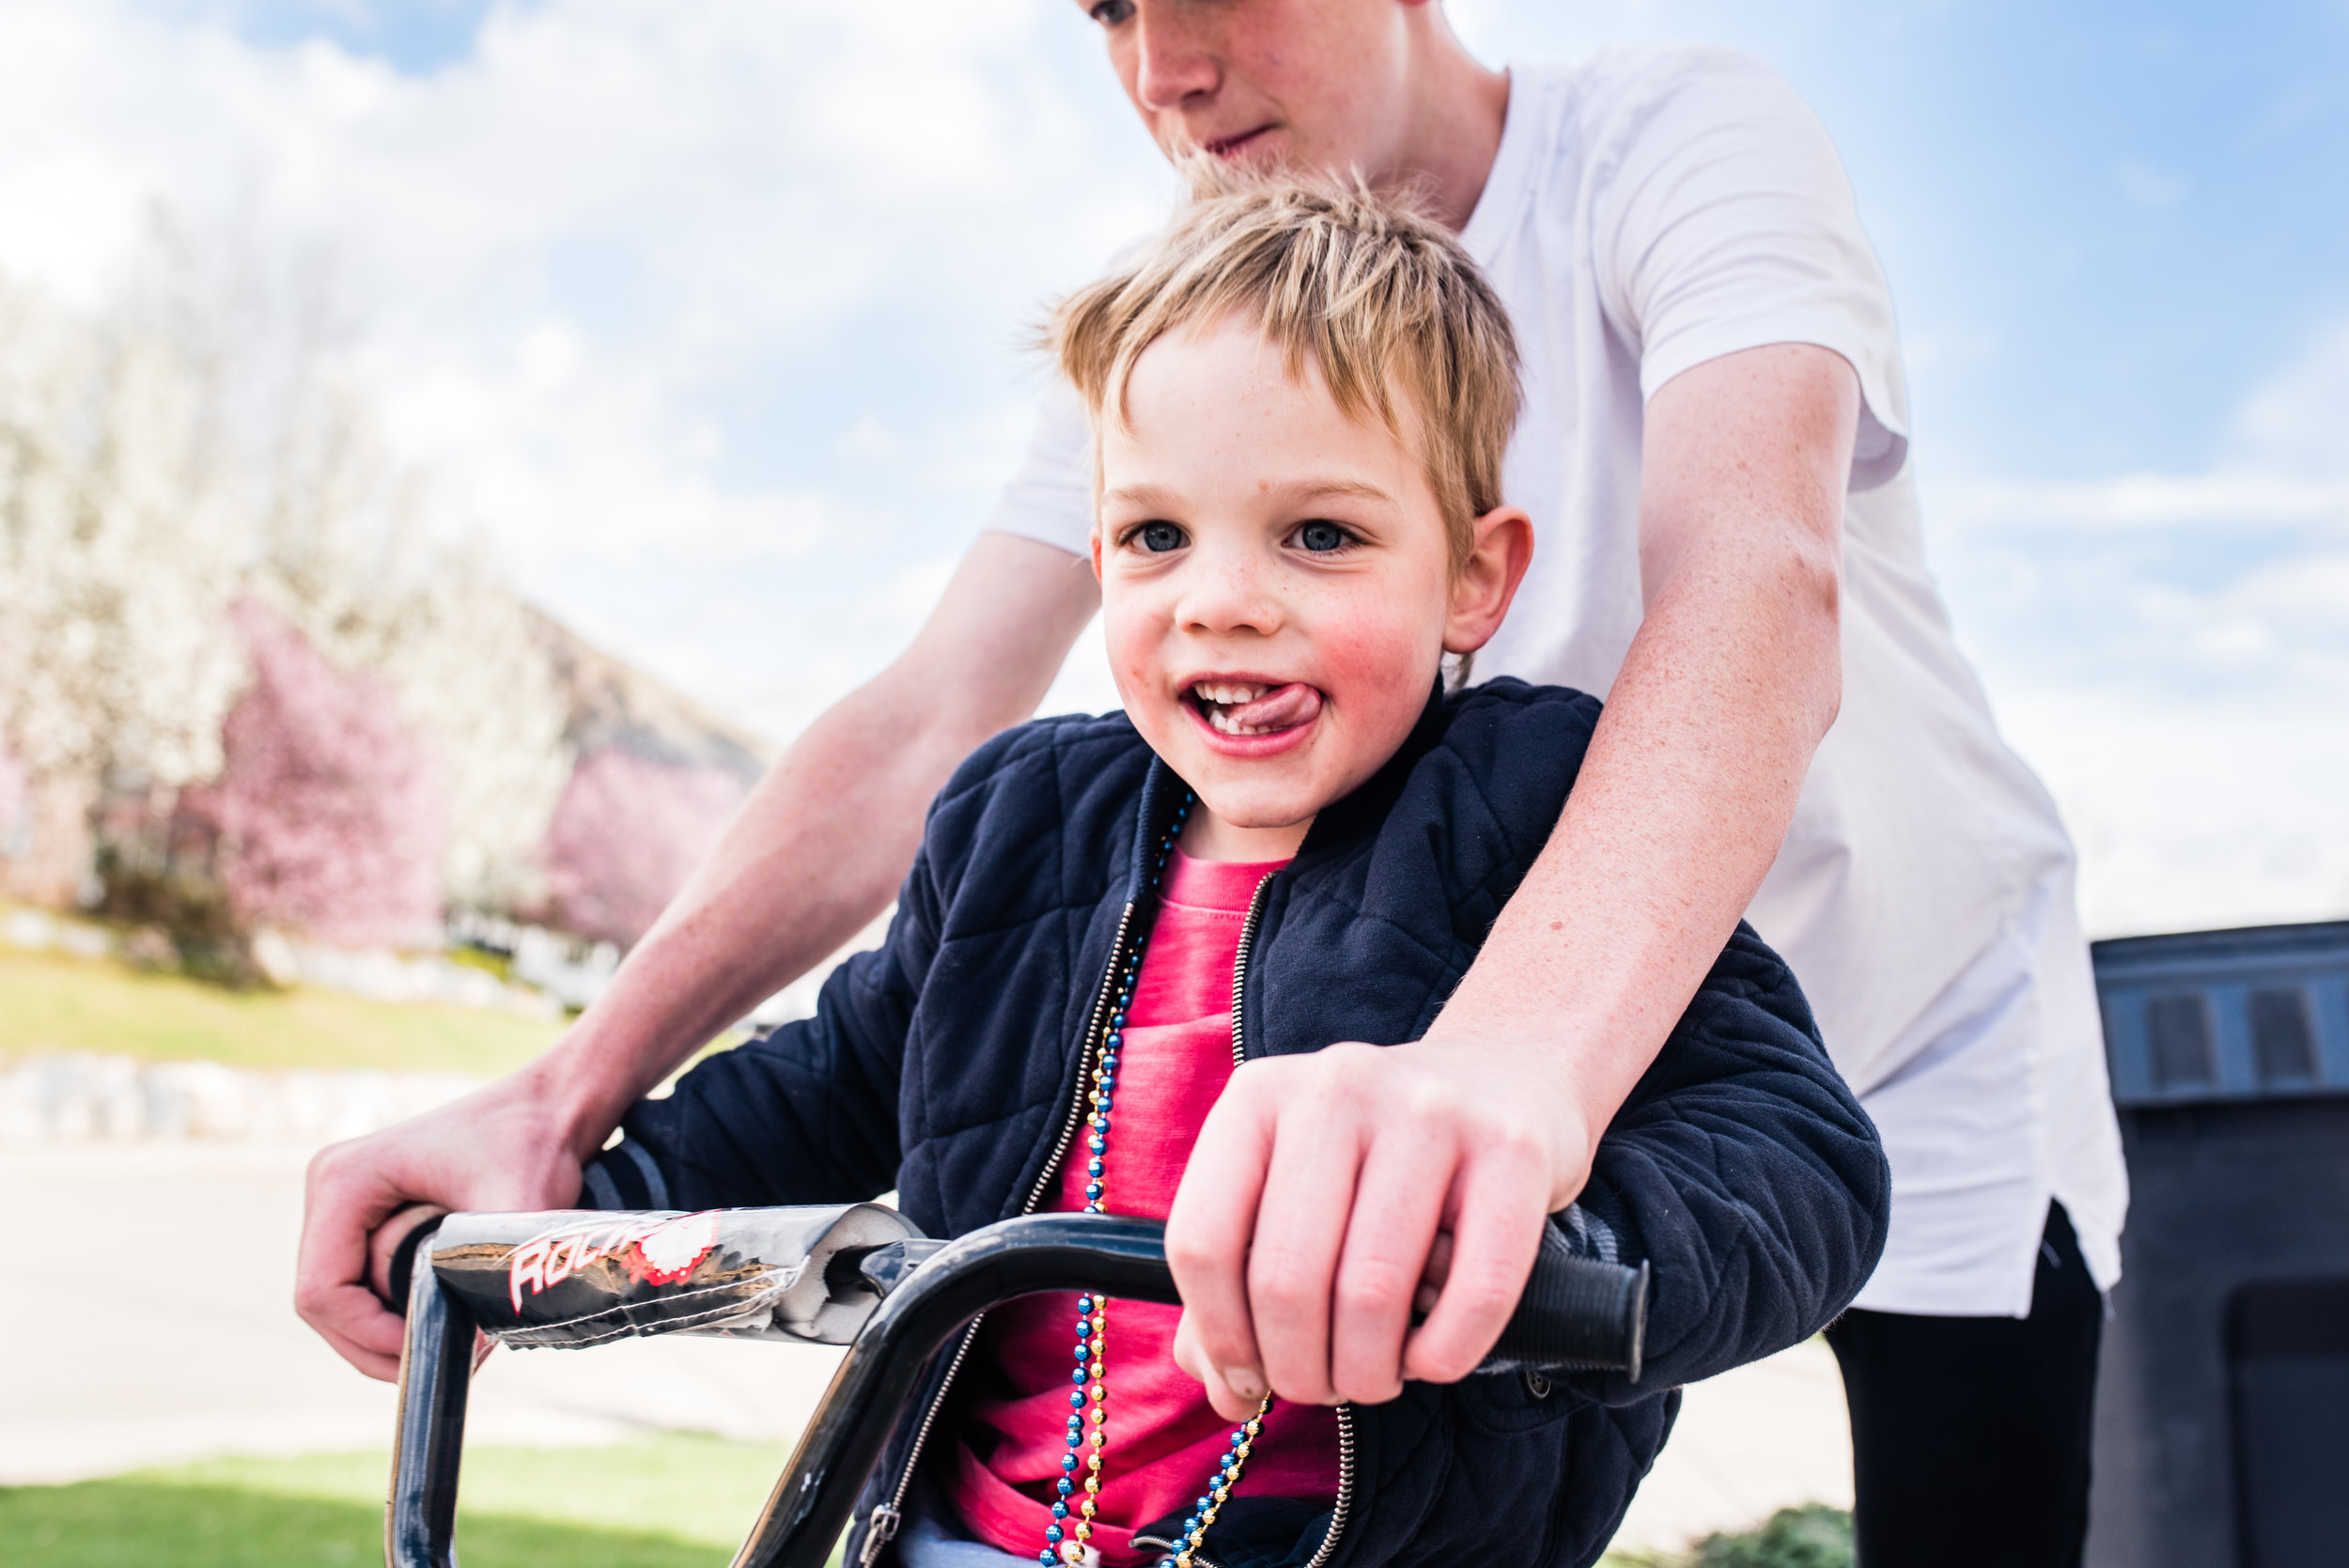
<point>1096,542</point>
<point>1488,579</point>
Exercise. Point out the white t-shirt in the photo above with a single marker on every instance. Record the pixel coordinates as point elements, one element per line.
<point>1651,210</point>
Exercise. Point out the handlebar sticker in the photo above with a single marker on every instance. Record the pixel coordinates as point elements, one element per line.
<point>671,1251</point>
<point>662,1252</point>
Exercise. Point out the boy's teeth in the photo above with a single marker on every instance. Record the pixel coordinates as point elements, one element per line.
<point>1268,707</point>
<point>1219,697</point>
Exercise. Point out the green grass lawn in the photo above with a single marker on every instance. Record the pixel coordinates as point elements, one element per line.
<point>1811,1536</point>
<point>671,1502</point>
<point>55,1003</point>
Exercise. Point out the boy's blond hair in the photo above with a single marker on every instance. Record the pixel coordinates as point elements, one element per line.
<point>1373,291</point>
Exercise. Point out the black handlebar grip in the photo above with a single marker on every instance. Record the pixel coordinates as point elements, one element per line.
<point>1577,1314</point>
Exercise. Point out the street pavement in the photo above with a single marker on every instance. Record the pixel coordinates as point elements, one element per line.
<point>147,1320</point>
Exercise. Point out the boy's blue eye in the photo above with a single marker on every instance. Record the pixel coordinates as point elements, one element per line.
<point>1159,537</point>
<point>1321,537</point>
<point>1108,13</point>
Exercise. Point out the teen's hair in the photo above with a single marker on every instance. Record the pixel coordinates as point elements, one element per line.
<point>1375,292</point>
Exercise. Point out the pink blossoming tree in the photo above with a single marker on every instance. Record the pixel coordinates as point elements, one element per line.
<point>328,813</point>
<point>627,832</point>
<point>15,795</point>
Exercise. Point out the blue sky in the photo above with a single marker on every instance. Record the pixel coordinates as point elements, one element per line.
<point>414,37</point>
<point>2131,210</point>
<point>705,318</point>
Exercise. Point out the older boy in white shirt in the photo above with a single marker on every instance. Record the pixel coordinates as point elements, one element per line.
<point>1715,448</point>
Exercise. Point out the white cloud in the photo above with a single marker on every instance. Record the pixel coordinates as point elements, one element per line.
<point>2193,814</point>
<point>2172,651</point>
<point>2284,460</point>
<point>704,314</point>
<point>622,265</point>
<point>2299,418</point>
<point>2146,186</point>
<point>2240,494</point>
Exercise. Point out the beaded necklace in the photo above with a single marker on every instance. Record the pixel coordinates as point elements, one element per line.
<point>1088,1399</point>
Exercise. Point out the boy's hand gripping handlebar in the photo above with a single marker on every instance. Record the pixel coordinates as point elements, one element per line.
<point>857,1274</point>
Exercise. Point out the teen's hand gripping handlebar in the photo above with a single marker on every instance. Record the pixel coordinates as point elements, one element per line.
<point>858,1274</point>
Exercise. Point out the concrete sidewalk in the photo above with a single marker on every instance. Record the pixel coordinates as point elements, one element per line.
<point>149,1320</point>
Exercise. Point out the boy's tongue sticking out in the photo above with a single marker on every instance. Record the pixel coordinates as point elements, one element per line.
<point>1247,708</point>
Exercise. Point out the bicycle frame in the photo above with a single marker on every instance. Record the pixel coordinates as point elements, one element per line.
<point>1576,1312</point>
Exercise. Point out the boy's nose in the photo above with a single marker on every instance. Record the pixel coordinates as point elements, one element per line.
<point>1227,592</point>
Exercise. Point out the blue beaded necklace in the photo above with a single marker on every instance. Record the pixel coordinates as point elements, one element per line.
<point>1088,1399</point>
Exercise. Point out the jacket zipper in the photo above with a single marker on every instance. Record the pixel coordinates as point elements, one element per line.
<point>1153,1543</point>
<point>1239,1056</point>
<point>887,1516</point>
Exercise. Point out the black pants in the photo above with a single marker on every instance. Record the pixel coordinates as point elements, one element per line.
<point>1970,1434</point>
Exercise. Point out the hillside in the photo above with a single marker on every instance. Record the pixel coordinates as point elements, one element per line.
<point>616,706</point>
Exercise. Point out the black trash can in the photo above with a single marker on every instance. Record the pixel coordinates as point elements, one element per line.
<point>2222,1424</point>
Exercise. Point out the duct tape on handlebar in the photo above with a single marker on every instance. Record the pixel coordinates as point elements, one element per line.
<point>578,1278</point>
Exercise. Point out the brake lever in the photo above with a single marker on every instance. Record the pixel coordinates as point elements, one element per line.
<point>878,1269</point>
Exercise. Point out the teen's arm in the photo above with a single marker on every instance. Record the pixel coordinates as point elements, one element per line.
<point>814,854</point>
<point>1312,1204</point>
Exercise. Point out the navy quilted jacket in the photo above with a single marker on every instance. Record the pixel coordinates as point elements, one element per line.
<point>945,1062</point>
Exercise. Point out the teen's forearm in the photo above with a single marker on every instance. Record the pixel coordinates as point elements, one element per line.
<point>1693,777</point>
<point>821,845</point>
<point>1681,805</point>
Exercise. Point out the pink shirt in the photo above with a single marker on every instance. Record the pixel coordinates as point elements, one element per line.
<point>1165,1439</point>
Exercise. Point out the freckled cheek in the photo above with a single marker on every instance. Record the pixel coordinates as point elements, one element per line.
<point>1375,673</point>
<point>1134,640</point>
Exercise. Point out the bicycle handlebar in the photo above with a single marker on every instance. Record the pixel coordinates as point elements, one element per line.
<point>1577,1314</point>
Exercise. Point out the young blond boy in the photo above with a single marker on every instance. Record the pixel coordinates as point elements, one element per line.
<point>1291,839</point>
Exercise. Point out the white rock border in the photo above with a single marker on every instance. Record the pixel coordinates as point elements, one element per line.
<point>86,1097</point>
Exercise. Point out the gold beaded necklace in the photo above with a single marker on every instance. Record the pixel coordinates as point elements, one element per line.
<point>1088,1398</point>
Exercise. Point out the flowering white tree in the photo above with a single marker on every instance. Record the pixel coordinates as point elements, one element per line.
<point>202,445</point>
<point>344,554</point>
<point>473,678</point>
<point>15,791</point>
<point>120,548</point>
<point>346,561</point>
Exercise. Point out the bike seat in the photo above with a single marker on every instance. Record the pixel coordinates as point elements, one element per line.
<point>583,1277</point>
